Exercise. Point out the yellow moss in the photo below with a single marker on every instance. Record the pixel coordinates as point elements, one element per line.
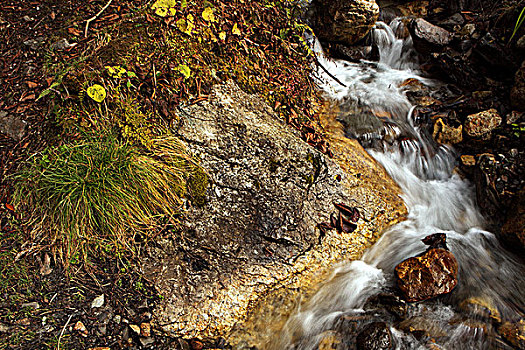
<point>197,184</point>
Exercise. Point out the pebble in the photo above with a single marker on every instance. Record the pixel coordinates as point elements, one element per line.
<point>145,329</point>
<point>98,301</point>
<point>79,327</point>
<point>135,328</point>
<point>146,341</point>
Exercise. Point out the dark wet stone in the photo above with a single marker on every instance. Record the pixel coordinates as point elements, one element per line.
<point>514,333</point>
<point>513,231</point>
<point>494,59</point>
<point>352,53</point>
<point>389,302</point>
<point>430,274</point>
<point>428,37</point>
<point>375,336</point>
<point>421,326</point>
<point>517,94</point>
<point>453,67</point>
<point>452,22</point>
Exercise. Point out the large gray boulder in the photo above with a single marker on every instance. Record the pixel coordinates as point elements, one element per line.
<point>344,21</point>
<point>252,246</point>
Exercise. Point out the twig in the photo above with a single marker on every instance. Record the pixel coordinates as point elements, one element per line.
<point>327,72</point>
<point>63,329</point>
<point>95,17</point>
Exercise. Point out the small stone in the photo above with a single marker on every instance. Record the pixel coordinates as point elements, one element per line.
<point>184,344</point>
<point>145,329</point>
<point>421,326</point>
<point>520,44</point>
<point>482,95</point>
<point>117,319</point>
<point>468,160</point>
<point>390,302</point>
<point>330,340</point>
<point>79,327</point>
<point>428,37</point>
<point>27,18</point>
<point>135,328</point>
<point>514,333</point>
<point>446,134</point>
<point>345,21</point>
<point>98,301</point>
<point>375,336</point>
<point>196,344</point>
<point>468,30</point>
<point>514,117</point>
<point>34,44</point>
<point>481,307</point>
<point>481,124</point>
<point>146,341</point>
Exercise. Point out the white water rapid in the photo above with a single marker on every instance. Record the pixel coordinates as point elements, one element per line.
<point>438,201</point>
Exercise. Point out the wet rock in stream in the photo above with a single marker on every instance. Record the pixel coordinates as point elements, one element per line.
<point>514,333</point>
<point>430,274</point>
<point>389,302</point>
<point>428,37</point>
<point>344,21</point>
<point>375,336</point>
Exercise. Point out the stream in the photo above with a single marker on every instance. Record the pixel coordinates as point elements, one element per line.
<point>438,200</point>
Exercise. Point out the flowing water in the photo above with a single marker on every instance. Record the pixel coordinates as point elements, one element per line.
<point>438,201</point>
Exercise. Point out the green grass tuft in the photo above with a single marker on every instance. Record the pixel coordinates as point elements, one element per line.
<point>97,196</point>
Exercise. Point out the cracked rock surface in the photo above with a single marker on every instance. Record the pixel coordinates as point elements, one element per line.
<point>253,246</point>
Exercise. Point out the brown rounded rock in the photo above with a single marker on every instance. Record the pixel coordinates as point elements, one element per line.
<point>431,274</point>
<point>345,21</point>
<point>481,124</point>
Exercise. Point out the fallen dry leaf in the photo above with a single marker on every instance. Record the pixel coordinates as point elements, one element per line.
<point>31,85</point>
<point>28,97</point>
<point>74,31</point>
<point>45,268</point>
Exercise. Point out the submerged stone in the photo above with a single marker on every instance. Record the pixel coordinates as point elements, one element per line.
<point>514,333</point>
<point>430,274</point>
<point>375,336</point>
